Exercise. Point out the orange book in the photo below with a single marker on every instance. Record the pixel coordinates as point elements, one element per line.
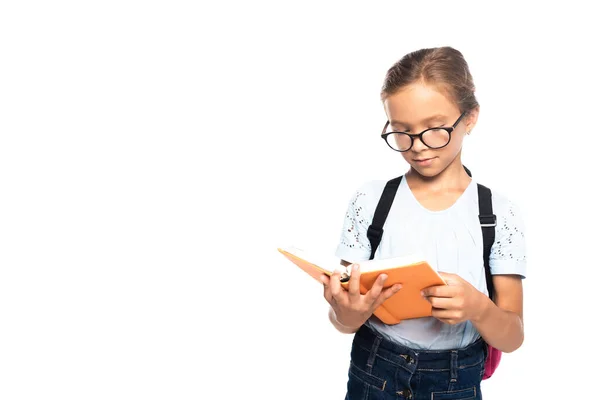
<point>413,272</point>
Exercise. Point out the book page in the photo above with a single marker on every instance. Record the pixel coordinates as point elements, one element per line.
<point>330,263</point>
<point>327,263</point>
<point>376,265</point>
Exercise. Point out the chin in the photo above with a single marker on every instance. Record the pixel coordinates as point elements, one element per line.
<point>431,170</point>
<point>427,172</point>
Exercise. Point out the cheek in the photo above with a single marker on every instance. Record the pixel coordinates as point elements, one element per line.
<point>407,156</point>
<point>454,146</point>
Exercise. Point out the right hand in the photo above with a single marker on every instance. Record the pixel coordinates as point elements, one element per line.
<point>352,309</point>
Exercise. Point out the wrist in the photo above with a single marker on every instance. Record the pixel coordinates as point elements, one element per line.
<point>342,327</point>
<point>484,306</point>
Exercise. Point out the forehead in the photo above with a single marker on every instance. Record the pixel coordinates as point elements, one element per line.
<point>417,103</point>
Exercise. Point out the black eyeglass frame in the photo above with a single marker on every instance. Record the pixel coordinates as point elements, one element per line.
<point>412,137</point>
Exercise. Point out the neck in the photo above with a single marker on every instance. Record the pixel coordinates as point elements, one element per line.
<point>452,177</point>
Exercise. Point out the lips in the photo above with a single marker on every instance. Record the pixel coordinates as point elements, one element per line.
<point>424,162</point>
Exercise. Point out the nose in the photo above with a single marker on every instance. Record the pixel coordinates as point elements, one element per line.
<point>418,145</point>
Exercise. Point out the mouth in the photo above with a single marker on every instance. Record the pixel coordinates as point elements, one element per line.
<point>424,161</point>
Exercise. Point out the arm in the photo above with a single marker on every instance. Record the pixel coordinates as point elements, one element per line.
<point>501,324</point>
<point>349,308</point>
<point>341,328</point>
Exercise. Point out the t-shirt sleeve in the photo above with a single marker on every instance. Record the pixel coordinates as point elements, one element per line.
<point>508,254</point>
<point>354,244</point>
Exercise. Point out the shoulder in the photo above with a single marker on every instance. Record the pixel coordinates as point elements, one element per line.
<point>368,193</point>
<point>509,218</point>
<point>502,204</point>
<point>508,253</point>
<point>505,206</point>
<point>371,188</point>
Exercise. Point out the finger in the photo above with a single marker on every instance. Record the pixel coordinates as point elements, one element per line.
<point>439,291</point>
<point>449,277</point>
<point>326,288</point>
<point>335,286</point>
<point>441,313</point>
<point>386,294</point>
<point>442,303</point>
<point>354,285</point>
<point>448,321</point>
<point>376,289</point>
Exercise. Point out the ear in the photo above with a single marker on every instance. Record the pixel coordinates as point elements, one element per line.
<point>471,119</point>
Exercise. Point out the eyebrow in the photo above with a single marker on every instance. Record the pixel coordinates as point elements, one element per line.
<point>432,118</point>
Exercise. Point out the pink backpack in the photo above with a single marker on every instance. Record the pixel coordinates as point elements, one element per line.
<point>487,220</point>
<point>492,361</point>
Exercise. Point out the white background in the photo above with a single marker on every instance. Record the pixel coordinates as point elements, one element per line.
<point>153,155</point>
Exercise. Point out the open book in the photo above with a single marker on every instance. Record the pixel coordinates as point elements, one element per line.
<point>413,272</point>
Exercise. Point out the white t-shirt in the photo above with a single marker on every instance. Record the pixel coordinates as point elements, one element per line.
<point>451,240</point>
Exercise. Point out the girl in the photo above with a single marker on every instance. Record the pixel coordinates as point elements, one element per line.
<point>428,97</point>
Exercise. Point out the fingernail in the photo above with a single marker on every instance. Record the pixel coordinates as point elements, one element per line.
<point>422,293</point>
<point>355,267</point>
<point>383,277</point>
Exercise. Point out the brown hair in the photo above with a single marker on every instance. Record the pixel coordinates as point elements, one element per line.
<point>443,67</point>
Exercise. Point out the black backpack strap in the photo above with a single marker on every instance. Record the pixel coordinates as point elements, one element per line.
<point>487,219</point>
<point>375,231</point>
<point>467,171</point>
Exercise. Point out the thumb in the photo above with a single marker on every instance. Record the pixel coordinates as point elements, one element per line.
<point>450,279</point>
<point>389,292</point>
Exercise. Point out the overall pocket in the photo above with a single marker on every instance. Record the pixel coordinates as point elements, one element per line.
<point>463,394</point>
<point>365,377</point>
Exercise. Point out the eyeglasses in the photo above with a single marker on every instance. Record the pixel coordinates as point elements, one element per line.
<point>434,138</point>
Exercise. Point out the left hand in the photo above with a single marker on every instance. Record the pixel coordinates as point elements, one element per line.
<point>456,302</point>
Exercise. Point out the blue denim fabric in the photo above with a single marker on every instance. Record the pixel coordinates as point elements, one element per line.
<point>382,369</point>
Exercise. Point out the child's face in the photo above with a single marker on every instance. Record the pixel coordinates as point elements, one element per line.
<point>418,107</point>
